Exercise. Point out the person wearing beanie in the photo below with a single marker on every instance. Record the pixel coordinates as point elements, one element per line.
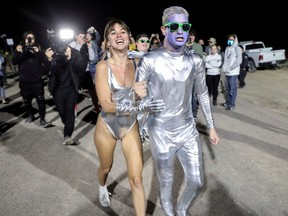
<point>211,41</point>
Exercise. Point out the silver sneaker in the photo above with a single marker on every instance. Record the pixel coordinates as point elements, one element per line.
<point>104,198</point>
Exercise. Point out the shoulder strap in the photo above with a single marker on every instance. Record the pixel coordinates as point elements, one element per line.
<point>134,63</point>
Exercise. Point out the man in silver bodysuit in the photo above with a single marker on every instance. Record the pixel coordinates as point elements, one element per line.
<point>169,74</point>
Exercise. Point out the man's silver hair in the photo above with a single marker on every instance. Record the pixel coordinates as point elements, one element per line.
<point>171,11</point>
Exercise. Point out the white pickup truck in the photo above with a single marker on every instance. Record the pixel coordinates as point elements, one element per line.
<point>261,56</point>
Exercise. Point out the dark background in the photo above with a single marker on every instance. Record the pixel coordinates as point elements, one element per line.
<point>249,20</point>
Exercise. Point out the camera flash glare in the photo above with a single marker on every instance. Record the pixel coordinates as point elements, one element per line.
<point>66,34</point>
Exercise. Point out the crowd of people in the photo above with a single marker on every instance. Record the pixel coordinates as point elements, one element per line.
<point>143,89</point>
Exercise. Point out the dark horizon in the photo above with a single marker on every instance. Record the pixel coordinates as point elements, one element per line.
<point>217,21</point>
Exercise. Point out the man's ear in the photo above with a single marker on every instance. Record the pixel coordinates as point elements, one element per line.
<point>163,30</point>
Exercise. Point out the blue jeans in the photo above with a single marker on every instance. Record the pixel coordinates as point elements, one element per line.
<point>231,90</point>
<point>92,69</point>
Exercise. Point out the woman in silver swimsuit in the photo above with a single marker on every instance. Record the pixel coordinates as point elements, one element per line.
<point>114,79</point>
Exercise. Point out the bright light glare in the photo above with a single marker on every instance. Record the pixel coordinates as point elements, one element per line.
<point>66,34</point>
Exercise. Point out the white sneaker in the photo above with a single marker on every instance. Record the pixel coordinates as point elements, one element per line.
<point>104,197</point>
<point>4,101</point>
<point>68,141</point>
<point>76,110</point>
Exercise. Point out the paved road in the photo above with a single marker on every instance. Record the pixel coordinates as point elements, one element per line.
<point>246,174</point>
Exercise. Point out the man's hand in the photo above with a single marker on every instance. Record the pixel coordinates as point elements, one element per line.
<point>214,139</point>
<point>152,106</point>
<point>148,105</point>
<point>68,53</point>
<point>49,53</point>
<point>36,49</point>
<point>91,29</point>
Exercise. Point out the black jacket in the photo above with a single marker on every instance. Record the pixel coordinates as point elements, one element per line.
<point>30,65</point>
<point>244,63</point>
<point>66,72</point>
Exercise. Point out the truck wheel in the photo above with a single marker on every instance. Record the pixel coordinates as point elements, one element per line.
<point>251,67</point>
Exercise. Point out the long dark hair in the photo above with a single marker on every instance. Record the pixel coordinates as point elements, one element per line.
<point>24,36</point>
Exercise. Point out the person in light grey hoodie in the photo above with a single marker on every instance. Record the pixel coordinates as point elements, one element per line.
<point>231,68</point>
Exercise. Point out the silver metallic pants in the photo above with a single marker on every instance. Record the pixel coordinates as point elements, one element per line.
<point>190,157</point>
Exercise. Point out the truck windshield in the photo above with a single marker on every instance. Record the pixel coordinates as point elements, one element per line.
<point>254,46</point>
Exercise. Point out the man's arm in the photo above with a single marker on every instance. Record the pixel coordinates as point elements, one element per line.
<point>202,93</point>
<point>203,98</point>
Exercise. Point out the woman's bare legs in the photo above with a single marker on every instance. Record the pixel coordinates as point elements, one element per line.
<point>105,145</point>
<point>133,153</point>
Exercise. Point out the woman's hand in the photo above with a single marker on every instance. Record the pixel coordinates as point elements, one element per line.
<point>140,89</point>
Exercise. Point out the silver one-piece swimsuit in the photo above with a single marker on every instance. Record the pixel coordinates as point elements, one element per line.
<point>119,126</point>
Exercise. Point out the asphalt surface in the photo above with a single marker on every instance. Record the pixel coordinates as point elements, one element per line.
<point>246,174</point>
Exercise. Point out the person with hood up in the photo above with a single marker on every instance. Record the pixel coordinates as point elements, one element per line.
<point>231,68</point>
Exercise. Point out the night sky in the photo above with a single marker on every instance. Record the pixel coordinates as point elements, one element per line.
<point>248,20</point>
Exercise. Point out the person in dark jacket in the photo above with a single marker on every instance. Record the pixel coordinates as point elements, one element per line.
<point>30,59</point>
<point>88,54</point>
<point>65,69</point>
<point>243,69</point>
